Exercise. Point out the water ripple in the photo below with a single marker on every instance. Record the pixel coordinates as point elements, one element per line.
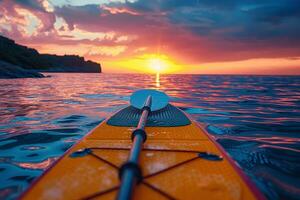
<point>255,118</point>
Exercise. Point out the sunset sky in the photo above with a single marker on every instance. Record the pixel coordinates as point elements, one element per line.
<point>170,36</point>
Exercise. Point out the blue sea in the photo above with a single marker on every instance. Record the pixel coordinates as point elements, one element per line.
<point>255,118</point>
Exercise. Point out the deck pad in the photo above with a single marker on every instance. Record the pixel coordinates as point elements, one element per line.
<point>169,116</point>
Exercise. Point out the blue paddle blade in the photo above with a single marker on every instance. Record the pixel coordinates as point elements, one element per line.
<point>159,99</point>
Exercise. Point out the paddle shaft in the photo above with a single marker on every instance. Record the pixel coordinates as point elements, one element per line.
<point>129,176</point>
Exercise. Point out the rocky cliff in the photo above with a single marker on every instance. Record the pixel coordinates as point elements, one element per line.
<point>28,58</point>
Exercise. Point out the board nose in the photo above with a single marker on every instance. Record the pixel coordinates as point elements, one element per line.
<point>159,99</point>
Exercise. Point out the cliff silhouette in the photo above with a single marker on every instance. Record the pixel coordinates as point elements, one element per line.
<point>31,59</point>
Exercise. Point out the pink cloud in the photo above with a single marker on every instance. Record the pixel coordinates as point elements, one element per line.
<point>113,10</point>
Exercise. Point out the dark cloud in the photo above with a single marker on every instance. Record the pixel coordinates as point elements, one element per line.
<point>32,4</point>
<point>94,18</point>
<point>276,13</point>
<point>171,5</point>
<point>88,14</point>
<point>248,22</point>
<point>231,19</point>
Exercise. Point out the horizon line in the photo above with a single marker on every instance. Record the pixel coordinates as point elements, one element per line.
<point>137,73</point>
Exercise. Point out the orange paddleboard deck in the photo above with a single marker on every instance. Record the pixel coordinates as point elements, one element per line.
<point>178,162</point>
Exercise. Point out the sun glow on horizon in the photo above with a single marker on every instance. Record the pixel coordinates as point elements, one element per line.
<point>159,64</point>
<point>146,63</point>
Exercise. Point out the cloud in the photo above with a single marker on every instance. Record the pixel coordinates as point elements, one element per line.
<point>192,31</point>
<point>107,50</point>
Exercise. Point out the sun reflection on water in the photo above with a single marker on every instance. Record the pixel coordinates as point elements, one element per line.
<point>157,80</point>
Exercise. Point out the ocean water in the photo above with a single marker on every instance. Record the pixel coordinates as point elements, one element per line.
<point>255,118</point>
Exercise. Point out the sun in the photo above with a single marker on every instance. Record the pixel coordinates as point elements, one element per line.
<point>157,65</point>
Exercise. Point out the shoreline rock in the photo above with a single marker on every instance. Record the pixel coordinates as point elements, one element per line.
<point>9,71</point>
